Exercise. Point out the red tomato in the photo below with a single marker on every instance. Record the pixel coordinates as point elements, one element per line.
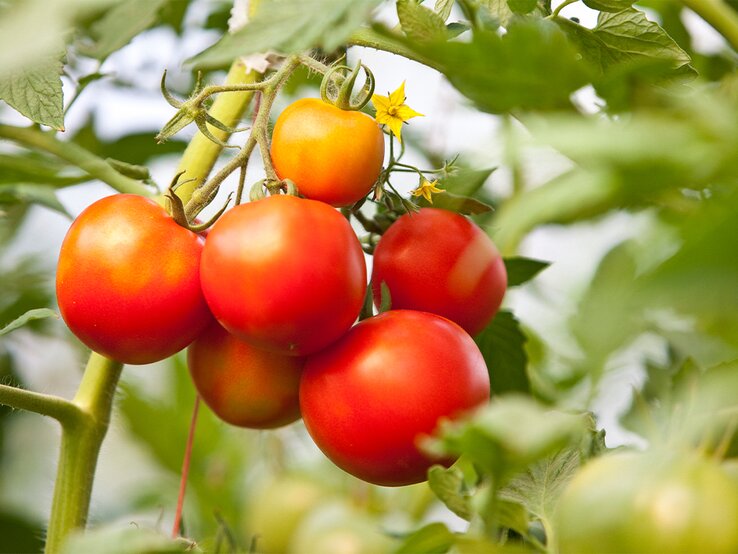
<point>284,273</point>
<point>368,398</point>
<point>332,155</point>
<point>245,385</point>
<point>128,280</point>
<point>440,262</point>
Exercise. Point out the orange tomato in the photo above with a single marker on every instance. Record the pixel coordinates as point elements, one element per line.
<point>332,155</point>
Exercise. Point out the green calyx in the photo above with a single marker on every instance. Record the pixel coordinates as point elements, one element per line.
<point>337,87</point>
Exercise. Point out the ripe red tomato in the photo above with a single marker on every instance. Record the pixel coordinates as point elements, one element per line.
<point>128,280</point>
<point>368,398</point>
<point>440,262</point>
<point>284,273</point>
<point>245,385</point>
<point>649,502</point>
<point>332,155</point>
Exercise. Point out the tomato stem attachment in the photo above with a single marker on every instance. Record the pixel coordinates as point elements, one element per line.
<point>337,87</point>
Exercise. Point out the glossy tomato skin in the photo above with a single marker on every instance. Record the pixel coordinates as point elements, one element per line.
<point>332,155</point>
<point>642,503</point>
<point>368,398</point>
<point>243,384</point>
<point>284,273</point>
<point>128,280</point>
<point>440,262</point>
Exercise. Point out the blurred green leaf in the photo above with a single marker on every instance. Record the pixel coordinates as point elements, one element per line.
<point>36,167</point>
<point>443,8</point>
<point>531,67</point>
<point>125,540</point>
<point>119,25</point>
<point>521,270</point>
<point>501,447</point>
<point>448,485</point>
<point>434,538</point>
<point>289,26</point>
<point>502,344</point>
<point>456,203</point>
<point>38,313</point>
<point>31,193</point>
<point>522,6</point>
<point>19,534</point>
<point>465,181</point>
<point>609,5</point>
<point>499,10</point>
<point>419,22</point>
<point>36,91</point>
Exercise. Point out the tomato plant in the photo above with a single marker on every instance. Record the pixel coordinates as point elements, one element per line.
<point>243,384</point>
<point>440,262</point>
<point>640,503</point>
<point>390,381</point>
<point>270,267</point>
<point>128,280</point>
<point>332,155</point>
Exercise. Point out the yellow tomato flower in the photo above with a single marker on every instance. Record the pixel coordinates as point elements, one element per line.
<point>427,189</point>
<point>392,110</point>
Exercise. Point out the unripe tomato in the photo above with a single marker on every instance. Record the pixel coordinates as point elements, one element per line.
<point>243,384</point>
<point>368,398</point>
<point>128,280</point>
<point>284,273</point>
<point>332,155</point>
<point>440,262</point>
<point>647,503</point>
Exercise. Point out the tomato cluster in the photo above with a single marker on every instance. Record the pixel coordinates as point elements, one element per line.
<point>269,300</point>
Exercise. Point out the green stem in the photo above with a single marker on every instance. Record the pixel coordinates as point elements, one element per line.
<point>372,39</point>
<point>56,407</point>
<point>201,153</point>
<point>82,437</point>
<point>76,155</point>
<point>717,13</point>
<point>201,195</point>
<point>561,7</point>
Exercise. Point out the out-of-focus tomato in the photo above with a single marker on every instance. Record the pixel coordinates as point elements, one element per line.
<point>647,503</point>
<point>440,262</point>
<point>284,273</point>
<point>128,280</point>
<point>368,398</point>
<point>332,155</point>
<point>243,384</point>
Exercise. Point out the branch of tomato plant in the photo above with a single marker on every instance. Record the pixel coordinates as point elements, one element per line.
<point>719,15</point>
<point>96,167</point>
<point>82,436</point>
<point>269,89</point>
<point>55,407</point>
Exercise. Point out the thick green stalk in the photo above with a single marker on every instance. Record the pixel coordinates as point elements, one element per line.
<point>717,13</point>
<point>82,437</point>
<point>96,167</point>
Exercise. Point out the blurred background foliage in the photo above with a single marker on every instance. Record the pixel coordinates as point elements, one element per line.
<point>642,125</point>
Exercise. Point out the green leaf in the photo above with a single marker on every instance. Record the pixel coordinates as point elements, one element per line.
<point>465,181</point>
<point>531,67</point>
<point>539,487</point>
<point>499,10</point>
<point>521,270</point>
<point>522,6</point>
<point>31,193</point>
<point>448,485</point>
<point>38,313</point>
<point>289,26</point>
<point>443,8</point>
<point>420,23</point>
<point>36,92</point>
<point>36,167</point>
<point>609,5</point>
<point>434,538</point>
<point>509,435</point>
<point>502,344</point>
<point>513,515</point>
<point>133,171</point>
<point>630,34</point>
<point>119,25</point>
